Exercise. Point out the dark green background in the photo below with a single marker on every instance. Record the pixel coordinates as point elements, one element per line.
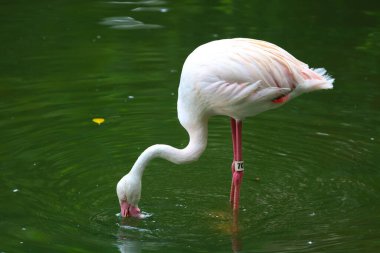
<point>63,63</point>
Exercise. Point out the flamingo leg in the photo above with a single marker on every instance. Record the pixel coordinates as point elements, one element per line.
<point>233,131</point>
<point>237,164</point>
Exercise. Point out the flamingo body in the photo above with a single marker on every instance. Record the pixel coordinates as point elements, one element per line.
<point>238,78</point>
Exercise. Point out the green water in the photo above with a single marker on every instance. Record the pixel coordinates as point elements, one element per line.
<point>62,63</point>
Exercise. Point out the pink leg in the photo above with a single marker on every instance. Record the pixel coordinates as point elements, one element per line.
<point>233,131</point>
<point>237,176</point>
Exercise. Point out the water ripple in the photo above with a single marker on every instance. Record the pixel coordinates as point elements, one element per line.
<point>153,9</point>
<point>146,2</point>
<point>127,23</point>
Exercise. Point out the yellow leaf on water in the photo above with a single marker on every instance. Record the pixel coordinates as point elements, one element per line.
<point>98,120</point>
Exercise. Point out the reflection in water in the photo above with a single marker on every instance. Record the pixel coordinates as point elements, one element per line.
<point>235,239</point>
<point>127,23</point>
<point>130,234</point>
<point>127,244</point>
<point>147,2</point>
<point>158,9</point>
<point>129,237</point>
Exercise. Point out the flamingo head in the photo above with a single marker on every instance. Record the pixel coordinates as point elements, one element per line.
<point>129,191</point>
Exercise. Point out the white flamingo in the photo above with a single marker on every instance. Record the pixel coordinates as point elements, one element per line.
<point>238,78</point>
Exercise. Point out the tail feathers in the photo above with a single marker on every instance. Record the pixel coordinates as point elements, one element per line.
<point>319,80</point>
<point>320,71</point>
<point>328,79</point>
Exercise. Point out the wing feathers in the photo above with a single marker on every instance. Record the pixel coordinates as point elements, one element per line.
<point>223,93</point>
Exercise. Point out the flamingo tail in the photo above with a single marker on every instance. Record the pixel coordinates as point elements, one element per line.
<point>314,79</point>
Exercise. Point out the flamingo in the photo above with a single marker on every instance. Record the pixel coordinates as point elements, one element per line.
<point>237,78</point>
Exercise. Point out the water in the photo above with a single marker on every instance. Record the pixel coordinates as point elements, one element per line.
<point>312,175</point>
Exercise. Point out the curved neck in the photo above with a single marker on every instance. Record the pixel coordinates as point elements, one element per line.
<point>197,144</point>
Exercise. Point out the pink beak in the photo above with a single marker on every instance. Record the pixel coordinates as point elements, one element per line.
<point>129,210</point>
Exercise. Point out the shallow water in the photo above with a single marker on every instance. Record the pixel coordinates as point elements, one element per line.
<point>312,177</point>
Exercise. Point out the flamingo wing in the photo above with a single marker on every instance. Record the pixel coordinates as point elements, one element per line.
<point>248,61</point>
<point>225,93</point>
<point>240,100</point>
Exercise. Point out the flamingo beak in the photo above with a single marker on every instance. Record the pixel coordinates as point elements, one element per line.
<point>129,210</point>
<point>124,206</point>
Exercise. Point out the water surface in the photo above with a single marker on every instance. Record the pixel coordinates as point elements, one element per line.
<point>312,176</point>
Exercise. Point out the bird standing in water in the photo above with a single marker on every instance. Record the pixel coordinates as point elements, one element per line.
<point>237,78</point>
